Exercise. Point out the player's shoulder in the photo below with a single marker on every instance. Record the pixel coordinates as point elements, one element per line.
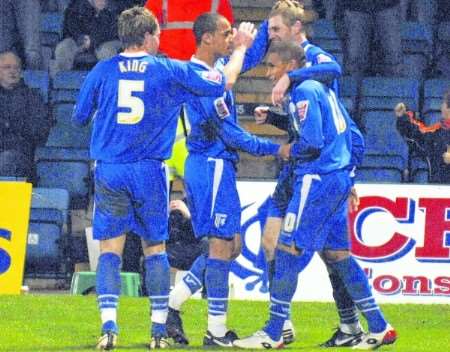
<point>309,86</point>
<point>318,54</point>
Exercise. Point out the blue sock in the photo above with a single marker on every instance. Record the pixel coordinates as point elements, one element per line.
<point>344,303</point>
<point>194,278</point>
<point>358,287</point>
<point>216,282</point>
<point>157,280</point>
<point>281,292</point>
<point>108,289</point>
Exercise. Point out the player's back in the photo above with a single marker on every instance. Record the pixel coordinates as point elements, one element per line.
<point>323,126</point>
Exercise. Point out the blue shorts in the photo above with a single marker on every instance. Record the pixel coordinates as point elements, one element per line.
<point>316,218</point>
<point>131,197</point>
<point>212,196</point>
<point>279,200</point>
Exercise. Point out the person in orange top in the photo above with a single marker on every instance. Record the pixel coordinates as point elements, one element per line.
<point>176,18</point>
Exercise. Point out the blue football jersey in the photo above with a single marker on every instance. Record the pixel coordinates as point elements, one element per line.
<point>324,137</point>
<point>134,101</point>
<point>214,128</point>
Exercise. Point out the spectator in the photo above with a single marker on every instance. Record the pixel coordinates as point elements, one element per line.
<point>419,10</point>
<point>20,30</point>
<point>120,5</point>
<point>24,121</point>
<point>366,20</point>
<point>89,32</point>
<point>176,18</point>
<point>430,142</point>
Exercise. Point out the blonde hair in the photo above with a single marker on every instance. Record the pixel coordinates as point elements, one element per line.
<point>292,11</point>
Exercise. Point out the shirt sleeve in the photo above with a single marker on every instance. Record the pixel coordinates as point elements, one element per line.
<point>308,123</point>
<point>87,102</point>
<point>194,79</point>
<point>231,133</point>
<point>255,54</point>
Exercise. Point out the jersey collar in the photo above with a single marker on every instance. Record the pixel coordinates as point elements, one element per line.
<point>136,54</point>
<point>200,62</point>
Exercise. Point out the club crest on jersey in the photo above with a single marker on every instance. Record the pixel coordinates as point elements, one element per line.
<point>322,58</point>
<point>212,75</point>
<point>221,108</point>
<point>302,109</point>
<point>219,220</point>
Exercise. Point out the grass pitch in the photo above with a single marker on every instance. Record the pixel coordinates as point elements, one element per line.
<point>71,323</point>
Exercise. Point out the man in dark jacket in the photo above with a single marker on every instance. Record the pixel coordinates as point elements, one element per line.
<point>24,121</point>
<point>90,27</point>
<point>366,20</point>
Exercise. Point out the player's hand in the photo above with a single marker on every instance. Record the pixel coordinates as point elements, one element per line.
<point>285,151</point>
<point>245,35</point>
<point>446,157</point>
<point>260,114</point>
<point>353,200</point>
<point>280,89</point>
<point>178,204</point>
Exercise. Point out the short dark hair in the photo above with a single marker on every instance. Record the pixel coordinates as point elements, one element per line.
<point>288,51</point>
<point>205,23</point>
<point>134,23</point>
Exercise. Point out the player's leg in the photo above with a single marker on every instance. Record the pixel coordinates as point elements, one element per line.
<point>355,279</point>
<point>337,255</point>
<point>111,220</point>
<point>183,290</point>
<point>157,280</point>
<point>349,329</point>
<point>287,267</point>
<point>150,192</point>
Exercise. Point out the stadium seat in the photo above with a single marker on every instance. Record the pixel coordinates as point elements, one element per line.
<point>378,175</point>
<point>48,233</point>
<point>66,86</point>
<point>66,168</point>
<point>51,28</point>
<point>380,93</point>
<point>417,38</point>
<point>433,92</point>
<point>420,170</point>
<point>348,87</point>
<point>324,35</point>
<point>39,80</point>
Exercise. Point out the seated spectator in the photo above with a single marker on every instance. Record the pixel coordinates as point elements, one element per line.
<point>431,142</point>
<point>89,32</point>
<point>20,30</point>
<point>365,21</point>
<point>121,5</point>
<point>24,120</point>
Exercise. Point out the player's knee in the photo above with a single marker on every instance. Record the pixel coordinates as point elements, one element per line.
<point>220,248</point>
<point>333,256</point>
<point>237,247</point>
<point>153,248</point>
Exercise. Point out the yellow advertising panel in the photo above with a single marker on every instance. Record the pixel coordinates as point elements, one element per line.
<point>15,200</point>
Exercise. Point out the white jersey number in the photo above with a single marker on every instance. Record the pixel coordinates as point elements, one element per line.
<point>338,118</point>
<point>127,100</point>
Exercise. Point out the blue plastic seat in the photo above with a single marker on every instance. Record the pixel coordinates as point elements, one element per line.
<point>378,175</point>
<point>66,168</point>
<point>417,38</point>
<point>381,93</point>
<point>51,28</point>
<point>47,234</point>
<point>66,86</point>
<point>39,80</point>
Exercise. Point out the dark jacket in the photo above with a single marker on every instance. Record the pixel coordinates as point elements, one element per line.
<point>368,6</point>
<point>24,119</point>
<point>80,18</point>
<point>439,141</point>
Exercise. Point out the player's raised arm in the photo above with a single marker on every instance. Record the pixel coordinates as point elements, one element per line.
<point>243,39</point>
